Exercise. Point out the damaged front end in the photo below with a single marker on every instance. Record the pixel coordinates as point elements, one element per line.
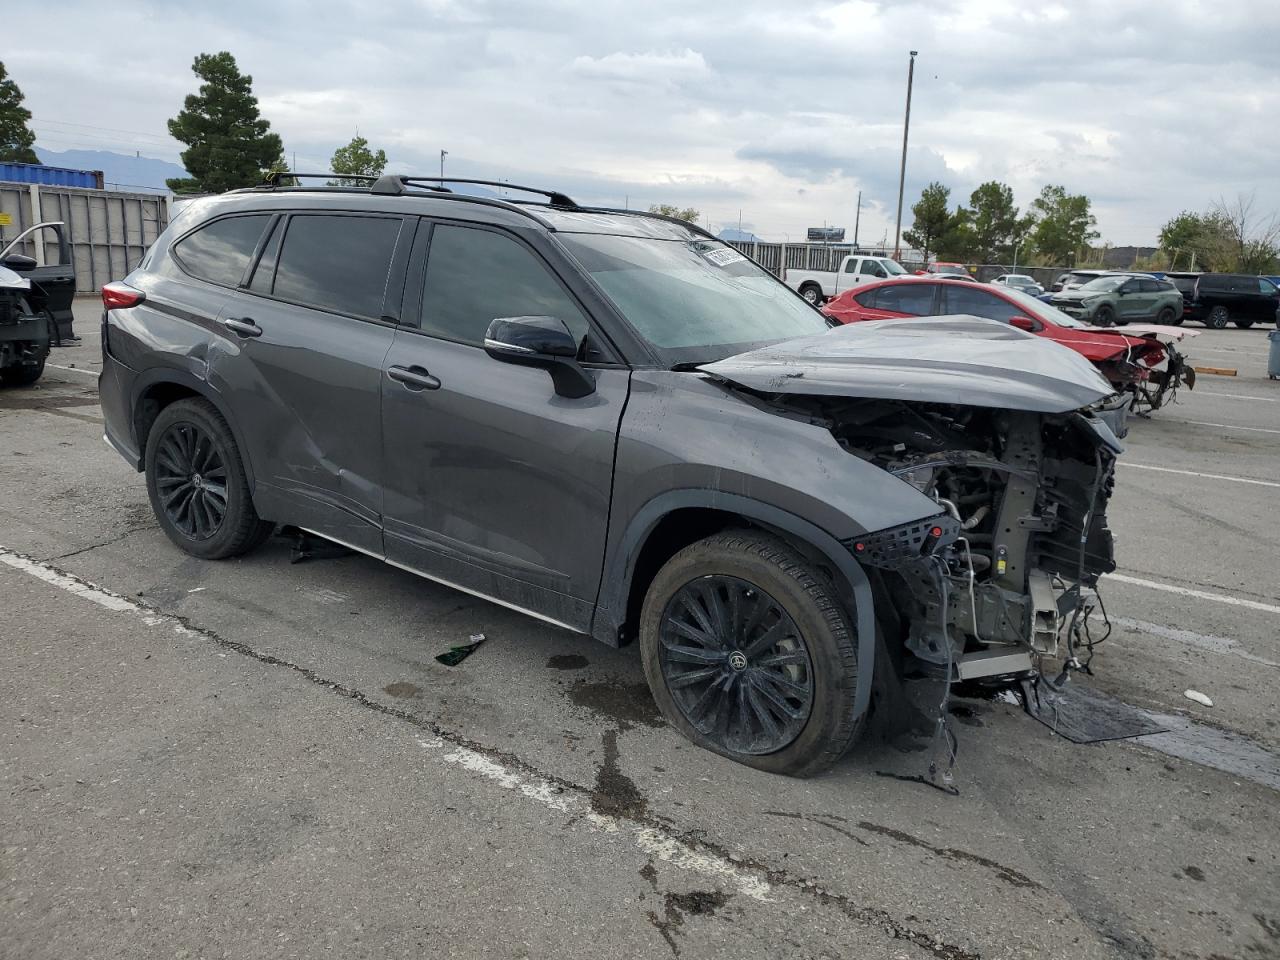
<point>1005,569</point>
<point>1009,435</point>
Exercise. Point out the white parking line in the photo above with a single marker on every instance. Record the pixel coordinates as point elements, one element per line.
<point>1213,644</point>
<point>1230,426</point>
<point>1236,396</point>
<point>1193,473</point>
<point>655,841</point>
<point>87,373</point>
<point>1198,594</point>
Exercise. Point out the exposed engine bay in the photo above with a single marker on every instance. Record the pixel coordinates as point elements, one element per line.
<point>1004,573</point>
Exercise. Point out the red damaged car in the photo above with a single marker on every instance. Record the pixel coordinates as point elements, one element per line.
<point>1136,361</point>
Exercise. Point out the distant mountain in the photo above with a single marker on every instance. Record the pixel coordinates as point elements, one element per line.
<point>734,235</point>
<point>120,170</point>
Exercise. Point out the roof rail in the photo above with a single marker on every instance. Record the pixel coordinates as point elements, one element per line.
<point>273,178</point>
<point>397,184</point>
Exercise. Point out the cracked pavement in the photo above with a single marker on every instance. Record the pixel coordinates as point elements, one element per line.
<point>254,758</point>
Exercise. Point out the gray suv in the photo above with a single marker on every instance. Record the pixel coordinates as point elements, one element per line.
<point>615,423</point>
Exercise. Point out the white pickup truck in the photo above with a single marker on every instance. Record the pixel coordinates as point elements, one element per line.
<point>817,286</point>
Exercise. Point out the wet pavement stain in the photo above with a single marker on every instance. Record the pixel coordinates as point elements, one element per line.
<point>677,906</point>
<point>403,690</point>
<point>1007,874</point>
<point>568,661</point>
<point>615,795</point>
<point>626,703</point>
<point>1195,873</point>
<point>966,714</point>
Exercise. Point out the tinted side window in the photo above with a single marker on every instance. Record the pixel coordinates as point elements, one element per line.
<point>851,266</point>
<point>220,251</point>
<point>337,263</point>
<point>979,303</point>
<point>475,276</point>
<point>1149,286</point>
<point>867,298</point>
<point>915,299</point>
<point>1266,287</point>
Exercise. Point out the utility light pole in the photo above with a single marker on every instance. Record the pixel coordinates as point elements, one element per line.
<point>857,219</point>
<point>443,154</point>
<point>902,172</point>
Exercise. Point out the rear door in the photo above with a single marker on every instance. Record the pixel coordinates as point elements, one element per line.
<point>495,483</point>
<point>299,359</point>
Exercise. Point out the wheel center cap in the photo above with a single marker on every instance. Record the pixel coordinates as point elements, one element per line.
<point>197,480</point>
<point>738,660</point>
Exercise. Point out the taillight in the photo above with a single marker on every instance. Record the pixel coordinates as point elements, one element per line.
<point>118,295</point>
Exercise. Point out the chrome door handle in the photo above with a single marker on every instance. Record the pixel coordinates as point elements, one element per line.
<point>414,378</point>
<point>243,326</point>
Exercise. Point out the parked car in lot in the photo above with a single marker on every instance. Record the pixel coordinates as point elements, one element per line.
<point>619,425</point>
<point>817,286</point>
<point>941,269</point>
<point>1075,278</point>
<point>35,303</point>
<point>1216,299</point>
<point>1121,298</point>
<point>1142,366</point>
<point>1019,281</point>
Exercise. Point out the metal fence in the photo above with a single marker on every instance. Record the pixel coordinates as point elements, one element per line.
<point>825,256</point>
<point>108,230</point>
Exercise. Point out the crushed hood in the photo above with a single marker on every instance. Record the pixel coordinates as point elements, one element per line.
<point>963,360</point>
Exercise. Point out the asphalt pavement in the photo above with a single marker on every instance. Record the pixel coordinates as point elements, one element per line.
<point>255,758</point>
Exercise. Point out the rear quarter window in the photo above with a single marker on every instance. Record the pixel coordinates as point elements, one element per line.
<point>221,250</point>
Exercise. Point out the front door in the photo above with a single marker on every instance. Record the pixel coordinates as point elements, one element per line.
<point>53,285</point>
<point>1135,301</point>
<point>299,357</point>
<point>494,483</point>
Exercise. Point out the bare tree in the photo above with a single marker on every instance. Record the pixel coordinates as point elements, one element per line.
<point>1255,238</point>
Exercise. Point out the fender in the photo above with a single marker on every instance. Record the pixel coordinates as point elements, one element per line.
<point>157,375</point>
<point>620,568</point>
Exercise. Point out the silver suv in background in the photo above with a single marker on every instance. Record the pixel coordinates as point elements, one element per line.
<point>617,424</point>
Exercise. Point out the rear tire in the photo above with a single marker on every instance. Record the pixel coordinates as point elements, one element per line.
<point>1217,318</point>
<point>1169,318</point>
<point>22,375</point>
<point>785,707</point>
<point>197,483</point>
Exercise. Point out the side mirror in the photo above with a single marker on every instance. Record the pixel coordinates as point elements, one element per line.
<point>540,342</point>
<point>1024,323</point>
<point>19,262</point>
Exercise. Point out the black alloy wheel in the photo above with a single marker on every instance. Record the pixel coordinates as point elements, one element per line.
<point>736,665</point>
<point>191,480</point>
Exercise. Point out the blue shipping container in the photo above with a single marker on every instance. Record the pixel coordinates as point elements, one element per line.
<point>51,176</point>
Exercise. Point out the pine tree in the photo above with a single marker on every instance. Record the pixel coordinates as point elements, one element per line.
<point>229,144</point>
<point>16,138</point>
<point>356,160</point>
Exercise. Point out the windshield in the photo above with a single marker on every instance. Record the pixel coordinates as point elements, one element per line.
<point>892,267</point>
<point>694,300</point>
<point>1104,284</point>
<point>1037,308</point>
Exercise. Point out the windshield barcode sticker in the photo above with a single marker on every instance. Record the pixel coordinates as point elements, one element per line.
<point>723,256</point>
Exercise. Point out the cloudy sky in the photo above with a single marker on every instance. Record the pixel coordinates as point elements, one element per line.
<point>780,110</point>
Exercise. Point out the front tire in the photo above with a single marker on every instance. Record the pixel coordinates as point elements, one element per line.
<point>197,483</point>
<point>750,654</point>
<point>1105,317</point>
<point>812,294</point>
<point>1217,318</point>
<point>22,375</point>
